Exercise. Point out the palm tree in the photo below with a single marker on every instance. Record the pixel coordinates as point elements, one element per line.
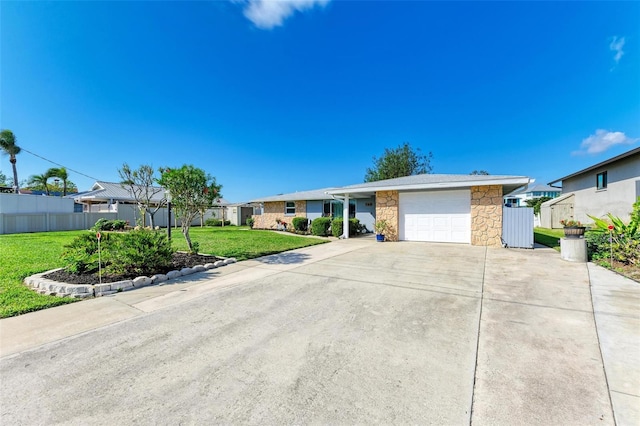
<point>9,147</point>
<point>40,181</point>
<point>62,174</point>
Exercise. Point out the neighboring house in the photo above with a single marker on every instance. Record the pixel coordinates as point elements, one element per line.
<point>611,186</point>
<point>114,198</point>
<point>107,196</point>
<point>518,198</point>
<point>427,207</point>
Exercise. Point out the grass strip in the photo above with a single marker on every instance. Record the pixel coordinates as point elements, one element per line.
<point>548,237</point>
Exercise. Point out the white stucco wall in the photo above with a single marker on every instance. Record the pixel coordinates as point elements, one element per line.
<point>623,188</point>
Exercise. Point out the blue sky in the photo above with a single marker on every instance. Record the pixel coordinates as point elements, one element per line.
<point>276,97</point>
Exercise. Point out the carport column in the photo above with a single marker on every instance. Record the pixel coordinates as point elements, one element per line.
<point>345,216</point>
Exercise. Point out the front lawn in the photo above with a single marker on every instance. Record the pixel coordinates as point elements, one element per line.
<point>22,255</point>
<point>240,241</point>
<point>548,237</point>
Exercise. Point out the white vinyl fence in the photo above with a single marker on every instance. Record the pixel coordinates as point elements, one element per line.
<point>517,227</point>
<point>35,213</point>
<point>44,222</point>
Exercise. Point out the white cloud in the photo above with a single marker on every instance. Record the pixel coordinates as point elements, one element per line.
<point>602,140</point>
<point>617,43</point>
<point>267,14</point>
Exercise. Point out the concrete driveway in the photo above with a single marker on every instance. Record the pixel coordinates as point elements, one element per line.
<point>347,332</point>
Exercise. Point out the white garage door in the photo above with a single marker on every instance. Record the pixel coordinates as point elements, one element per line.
<point>440,216</point>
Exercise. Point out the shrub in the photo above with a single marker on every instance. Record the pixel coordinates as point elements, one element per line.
<point>141,252</point>
<point>137,252</point>
<point>195,247</point>
<point>616,239</point>
<point>249,222</point>
<point>602,247</point>
<point>216,222</point>
<point>300,224</point>
<point>597,245</point>
<point>81,255</point>
<point>320,226</point>
<point>100,224</point>
<point>337,226</point>
<point>109,225</point>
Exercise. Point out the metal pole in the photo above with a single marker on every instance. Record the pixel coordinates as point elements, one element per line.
<point>169,220</point>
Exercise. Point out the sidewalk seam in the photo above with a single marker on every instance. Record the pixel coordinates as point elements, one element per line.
<point>475,367</point>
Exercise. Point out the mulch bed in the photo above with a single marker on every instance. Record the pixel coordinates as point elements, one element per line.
<point>629,271</point>
<point>180,260</point>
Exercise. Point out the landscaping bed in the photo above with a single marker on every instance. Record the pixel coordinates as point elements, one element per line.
<point>626,270</point>
<point>180,260</point>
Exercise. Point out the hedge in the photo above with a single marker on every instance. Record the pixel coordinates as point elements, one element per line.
<point>337,227</point>
<point>300,223</point>
<point>320,226</point>
<point>216,222</point>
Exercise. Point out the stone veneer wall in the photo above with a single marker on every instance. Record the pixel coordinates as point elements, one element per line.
<point>486,215</point>
<point>275,210</point>
<point>387,209</point>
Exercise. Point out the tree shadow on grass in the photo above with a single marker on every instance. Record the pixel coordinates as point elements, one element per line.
<point>284,258</point>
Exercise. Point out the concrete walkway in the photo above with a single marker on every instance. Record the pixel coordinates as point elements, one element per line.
<point>347,332</point>
<point>616,304</point>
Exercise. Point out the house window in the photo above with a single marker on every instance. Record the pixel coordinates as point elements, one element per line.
<point>334,209</point>
<point>289,208</point>
<point>601,180</point>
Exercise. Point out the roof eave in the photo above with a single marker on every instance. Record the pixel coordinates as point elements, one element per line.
<point>519,181</point>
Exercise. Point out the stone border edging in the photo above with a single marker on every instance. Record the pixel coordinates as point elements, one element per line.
<point>82,291</point>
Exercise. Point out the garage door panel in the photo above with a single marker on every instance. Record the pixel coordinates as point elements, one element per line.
<point>439,216</point>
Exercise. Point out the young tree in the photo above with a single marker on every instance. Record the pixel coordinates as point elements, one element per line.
<point>9,147</point>
<point>62,174</point>
<point>39,182</point>
<point>3,178</point>
<point>190,188</point>
<point>535,203</point>
<point>399,162</point>
<point>139,183</point>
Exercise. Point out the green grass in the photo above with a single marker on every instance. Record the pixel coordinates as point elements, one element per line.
<point>548,237</point>
<point>240,241</point>
<point>22,255</point>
